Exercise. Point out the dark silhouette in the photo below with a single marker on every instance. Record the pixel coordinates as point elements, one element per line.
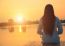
<point>48,19</point>
<point>48,27</point>
<point>62,21</point>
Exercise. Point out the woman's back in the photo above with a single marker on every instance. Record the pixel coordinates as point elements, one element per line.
<point>56,31</point>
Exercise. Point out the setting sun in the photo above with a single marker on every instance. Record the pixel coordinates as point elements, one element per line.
<point>19,18</point>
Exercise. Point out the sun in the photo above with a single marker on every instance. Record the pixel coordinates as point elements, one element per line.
<point>19,18</point>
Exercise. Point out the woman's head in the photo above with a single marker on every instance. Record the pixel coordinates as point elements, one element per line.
<point>49,11</point>
<point>48,19</point>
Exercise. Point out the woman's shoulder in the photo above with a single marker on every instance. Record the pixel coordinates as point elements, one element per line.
<point>57,19</point>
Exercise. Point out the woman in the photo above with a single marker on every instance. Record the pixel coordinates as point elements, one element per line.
<point>50,27</point>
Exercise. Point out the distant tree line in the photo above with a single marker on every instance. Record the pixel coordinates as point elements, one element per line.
<point>62,21</point>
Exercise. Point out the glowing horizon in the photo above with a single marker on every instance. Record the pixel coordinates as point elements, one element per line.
<point>33,9</point>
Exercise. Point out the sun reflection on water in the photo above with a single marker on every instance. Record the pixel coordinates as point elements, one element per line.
<point>20,30</point>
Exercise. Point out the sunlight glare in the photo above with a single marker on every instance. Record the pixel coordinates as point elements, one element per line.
<point>20,30</point>
<point>19,18</point>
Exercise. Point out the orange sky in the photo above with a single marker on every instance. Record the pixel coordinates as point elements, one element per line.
<point>30,9</point>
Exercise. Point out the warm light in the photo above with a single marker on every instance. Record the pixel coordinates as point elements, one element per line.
<point>20,30</point>
<point>19,18</point>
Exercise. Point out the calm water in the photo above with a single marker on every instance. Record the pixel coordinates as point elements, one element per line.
<point>24,38</point>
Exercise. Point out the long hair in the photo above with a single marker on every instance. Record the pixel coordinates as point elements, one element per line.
<point>48,19</point>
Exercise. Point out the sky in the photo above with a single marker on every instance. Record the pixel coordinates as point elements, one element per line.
<point>29,9</point>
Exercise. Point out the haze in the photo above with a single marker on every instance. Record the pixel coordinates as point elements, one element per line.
<point>30,9</point>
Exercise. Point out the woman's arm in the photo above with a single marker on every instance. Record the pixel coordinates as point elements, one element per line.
<point>59,25</point>
<point>39,31</point>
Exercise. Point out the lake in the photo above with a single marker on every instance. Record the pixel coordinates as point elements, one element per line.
<point>19,37</point>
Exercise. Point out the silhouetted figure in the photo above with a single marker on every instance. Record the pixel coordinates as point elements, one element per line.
<point>50,27</point>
